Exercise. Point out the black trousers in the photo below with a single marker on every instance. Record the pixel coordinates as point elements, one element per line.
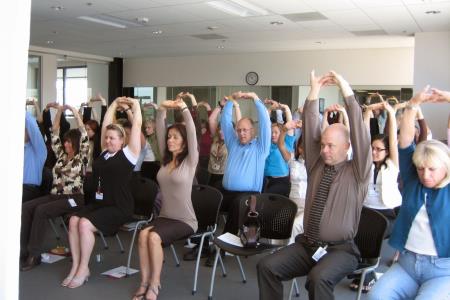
<point>230,205</point>
<point>35,214</point>
<point>30,192</point>
<point>277,185</point>
<point>295,261</point>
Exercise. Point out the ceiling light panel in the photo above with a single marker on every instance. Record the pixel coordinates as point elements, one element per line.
<point>281,7</point>
<point>305,17</point>
<point>240,8</point>
<point>326,5</point>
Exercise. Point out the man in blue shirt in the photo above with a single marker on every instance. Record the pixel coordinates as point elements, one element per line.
<point>244,170</point>
<point>34,157</point>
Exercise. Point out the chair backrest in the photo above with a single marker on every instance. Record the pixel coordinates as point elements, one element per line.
<point>370,235</point>
<point>144,192</point>
<point>206,201</point>
<point>276,215</point>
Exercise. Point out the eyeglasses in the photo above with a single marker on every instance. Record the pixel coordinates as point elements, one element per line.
<point>378,149</point>
<point>243,130</point>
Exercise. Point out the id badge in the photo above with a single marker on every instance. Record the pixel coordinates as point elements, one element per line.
<point>98,196</point>
<point>72,202</point>
<point>320,252</point>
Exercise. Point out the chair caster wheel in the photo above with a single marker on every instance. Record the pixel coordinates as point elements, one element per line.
<point>244,281</point>
<point>224,275</point>
<point>209,297</point>
<point>193,293</point>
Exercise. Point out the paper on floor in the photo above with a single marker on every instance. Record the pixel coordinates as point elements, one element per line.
<point>120,272</point>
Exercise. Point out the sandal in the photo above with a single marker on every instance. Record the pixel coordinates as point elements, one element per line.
<point>140,296</point>
<point>354,285</point>
<point>154,289</point>
<point>367,287</point>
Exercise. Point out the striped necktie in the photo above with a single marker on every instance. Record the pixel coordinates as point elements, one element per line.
<point>312,231</point>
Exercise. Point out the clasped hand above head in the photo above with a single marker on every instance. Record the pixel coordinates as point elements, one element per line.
<point>330,78</point>
<point>244,95</point>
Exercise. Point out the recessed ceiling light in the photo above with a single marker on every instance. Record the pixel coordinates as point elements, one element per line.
<point>142,20</point>
<point>433,12</point>
<point>221,47</point>
<point>50,42</point>
<point>57,7</point>
<point>157,32</point>
<point>276,23</point>
<point>212,28</point>
<point>240,8</point>
<point>89,3</point>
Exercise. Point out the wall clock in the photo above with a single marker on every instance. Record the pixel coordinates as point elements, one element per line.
<point>251,78</point>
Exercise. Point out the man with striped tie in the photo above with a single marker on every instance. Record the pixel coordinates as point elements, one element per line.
<point>335,194</point>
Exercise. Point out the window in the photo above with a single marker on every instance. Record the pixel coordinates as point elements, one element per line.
<point>71,85</point>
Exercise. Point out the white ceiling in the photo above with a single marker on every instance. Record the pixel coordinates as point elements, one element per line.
<point>180,19</point>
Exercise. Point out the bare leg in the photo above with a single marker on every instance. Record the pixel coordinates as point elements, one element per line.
<point>156,261</point>
<point>74,241</point>
<point>87,241</point>
<point>144,263</point>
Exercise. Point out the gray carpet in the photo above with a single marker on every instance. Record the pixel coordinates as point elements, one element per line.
<point>43,282</point>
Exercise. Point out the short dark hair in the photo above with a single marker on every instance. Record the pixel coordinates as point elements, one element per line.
<point>168,156</point>
<point>73,136</point>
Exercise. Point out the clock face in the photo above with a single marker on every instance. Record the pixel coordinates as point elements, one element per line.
<point>251,78</point>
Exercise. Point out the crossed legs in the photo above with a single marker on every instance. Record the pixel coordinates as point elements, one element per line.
<point>82,240</point>
<point>151,259</point>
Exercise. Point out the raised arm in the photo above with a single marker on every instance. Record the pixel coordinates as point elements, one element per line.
<point>134,142</point>
<point>213,118</point>
<point>265,131</point>
<point>407,129</point>
<point>237,110</point>
<point>161,128</point>
<point>392,132</point>
<point>325,123</point>
<point>359,135</point>
<point>311,120</point>
<point>190,132</point>
<point>288,126</point>
<point>343,117</point>
<point>226,124</point>
<point>76,115</point>
<point>109,119</point>
<point>288,114</point>
<point>57,120</point>
<point>35,138</point>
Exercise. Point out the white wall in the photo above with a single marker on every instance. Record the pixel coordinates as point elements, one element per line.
<point>98,78</point>
<point>360,66</point>
<point>15,21</point>
<point>432,66</point>
<point>48,78</point>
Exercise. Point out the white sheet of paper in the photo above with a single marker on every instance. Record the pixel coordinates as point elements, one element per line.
<point>231,239</point>
<point>119,272</point>
<point>49,258</point>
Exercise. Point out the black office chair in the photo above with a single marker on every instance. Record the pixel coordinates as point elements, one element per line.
<point>276,216</point>
<point>144,192</point>
<point>369,239</point>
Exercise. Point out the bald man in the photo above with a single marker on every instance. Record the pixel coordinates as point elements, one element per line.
<point>336,190</point>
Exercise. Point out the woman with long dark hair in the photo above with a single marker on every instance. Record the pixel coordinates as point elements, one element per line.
<point>177,219</point>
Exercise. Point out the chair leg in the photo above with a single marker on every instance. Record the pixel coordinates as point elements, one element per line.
<point>52,224</point>
<point>120,243</point>
<point>64,225</point>
<point>244,279</point>
<point>175,256</point>
<point>130,251</point>
<point>361,284</point>
<point>213,274</point>
<point>197,264</point>
<point>224,271</point>
<point>105,244</point>
<point>297,291</point>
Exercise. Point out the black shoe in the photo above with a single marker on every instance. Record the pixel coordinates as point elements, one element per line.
<point>192,254</point>
<point>30,263</point>
<point>212,255</point>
